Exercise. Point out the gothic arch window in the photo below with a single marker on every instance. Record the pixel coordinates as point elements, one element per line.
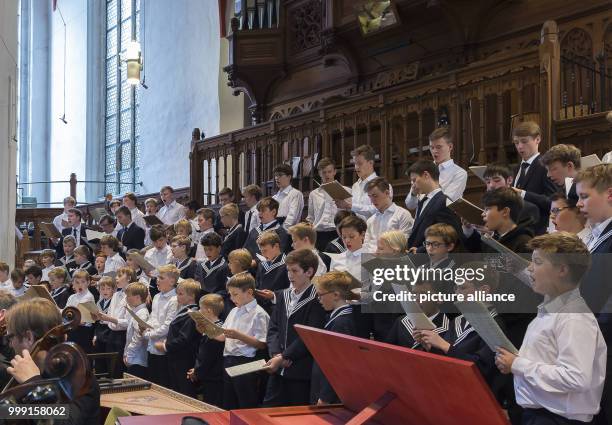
<point>122,141</point>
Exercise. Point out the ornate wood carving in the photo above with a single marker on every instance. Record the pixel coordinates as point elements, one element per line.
<point>305,24</point>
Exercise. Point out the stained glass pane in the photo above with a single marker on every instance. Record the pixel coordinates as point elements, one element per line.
<point>126,33</point>
<point>111,71</point>
<point>126,95</point>
<point>126,156</point>
<point>126,181</point>
<point>111,159</point>
<point>111,13</point>
<point>126,125</point>
<point>111,42</point>
<point>111,130</point>
<point>111,101</point>
<point>126,8</point>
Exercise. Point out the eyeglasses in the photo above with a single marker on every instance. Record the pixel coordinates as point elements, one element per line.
<point>320,295</point>
<point>556,211</point>
<point>434,245</point>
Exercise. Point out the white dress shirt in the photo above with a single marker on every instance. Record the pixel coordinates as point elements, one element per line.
<point>45,273</point>
<point>135,343</point>
<point>163,311</point>
<point>291,205</point>
<point>607,158</point>
<point>7,285</point>
<point>321,268</point>
<point>117,310</point>
<point>159,257</point>
<point>172,213</point>
<point>362,206</point>
<point>453,180</point>
<point>561,365</point>
<point>113,263</point>
<point>347,261</point>
<point>57,221</point>
<point>200,255</point>
<point>254,214</point>
<point>18,291</point>
<point>393,218</point>
<point>597,234</point>
<point>322,209</point>
<point>80,298</point>
<point>585,235</point>
<point>250,319</point>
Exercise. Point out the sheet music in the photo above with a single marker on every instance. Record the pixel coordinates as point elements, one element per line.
<point>141,261</point>
<point>85,313</point>
<point>245,368</point>
<point>468,211</point>
<point>413,311</point>
<point>589,161</point>
<point>336,190</point>
<point>502,249</point>
<point>485,325</point>
<point>478,170</point>
<point>205,326</point>
<point>37,291</point>
<point>141,323</point>
<point>92,235</point>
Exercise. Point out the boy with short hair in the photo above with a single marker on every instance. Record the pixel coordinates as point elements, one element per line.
<point>182,341</point>
<point>387,215</point>
<point>501,210</point>
<point>83,334</point>
<point>206,223</point>
<point>440,240</point>
<point>109,245</point>
<point>163,312</point>
<point>239,261</point>
<point>235,236</point>
<point>208,368</point>
<point>244,334</point>
<point>251,195</point>
<point>47,260</point>
<point>268,209</point>
<point>497,176</point>
<point>68,245</point>
<point>290,361</point>
<point>187,266</point>
<point>135,354</point>
<point>353,230</point>
<point>158,255</point>
<point>271,270</point>
<point>290,200</point>
<point>359,203</point>
<point>321,206</point>
<point>59,290</point>
<point>559,372</point>
<point>106,288</point>
<point>214,271</point>
<point>17,279</point>
<point>33,275</point>
<point>5,277</point>
<point>303,236</point>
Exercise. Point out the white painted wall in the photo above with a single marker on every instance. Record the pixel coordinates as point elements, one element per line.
<point>8,110</point>
<point>182,61</point>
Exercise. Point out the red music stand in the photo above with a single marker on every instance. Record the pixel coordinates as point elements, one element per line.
<point>380,383</point>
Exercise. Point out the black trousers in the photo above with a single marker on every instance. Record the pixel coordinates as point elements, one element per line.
<point>212,392</point>
<point>240,392</point>
<point>286,392</point>
<point>116,343</point>
<point>546,417</point>
<point>138,370</point>
<point>158,370</point>
<point>83,336</point>
<point>325,237</point>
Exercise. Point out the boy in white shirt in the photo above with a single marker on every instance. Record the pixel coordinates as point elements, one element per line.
<point>109,245</point>
<point>5,279</point>
<point>47,259</point>
<point>560,370</point>
<point>17,280</point>
<point>321,207</point>
<point>353,230</point>
<point>83,334</point>
<point>163,311</point>
<point>290,200</point>
<point>135,354</point>
<point>387,216</point>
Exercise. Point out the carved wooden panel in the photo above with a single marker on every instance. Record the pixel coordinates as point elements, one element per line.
<point>305,26</point>
<point>577,44</point>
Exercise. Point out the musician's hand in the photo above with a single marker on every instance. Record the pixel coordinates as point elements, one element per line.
<point>504,360</point>
<point>231,333</point>
<point>191,375</point>
<point>274,364</point>
<point>23,367</point>
<point>265,294</point>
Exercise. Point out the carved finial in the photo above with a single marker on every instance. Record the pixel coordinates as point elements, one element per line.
<point>550,31</point>
<point>195,134</point>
